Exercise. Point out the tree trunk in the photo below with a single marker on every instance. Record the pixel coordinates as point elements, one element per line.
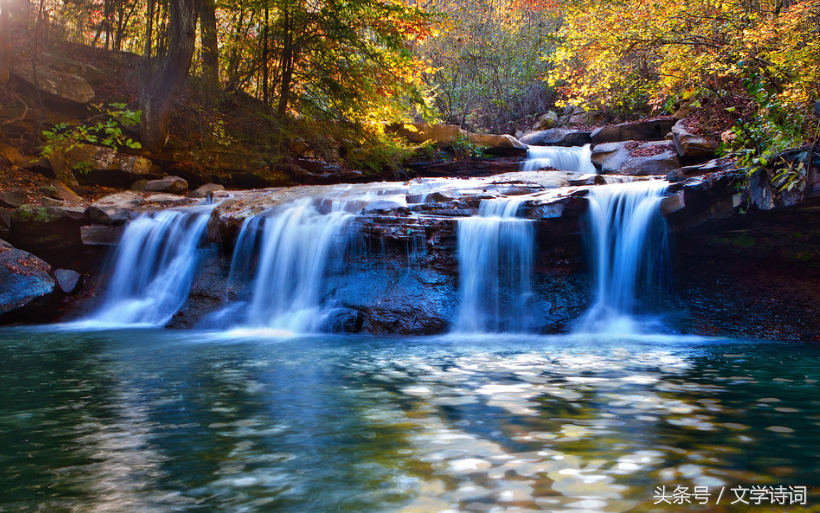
<point>5,42</point>
<point>209,43</point>
<point>149,29</point>
<point>265,32</point>
<point>287,61</point>
<point>158,97</point>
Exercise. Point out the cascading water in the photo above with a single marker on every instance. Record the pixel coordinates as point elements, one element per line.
<point>575,158</point>
<point>495,262</point>
<point>627,243</point>
<point>154,268</point>
<point>296,245</point>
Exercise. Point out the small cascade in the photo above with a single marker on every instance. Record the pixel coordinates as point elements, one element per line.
<point>154,268</point>
<point>574,158</point>
<point>495,261</point>
<point>627,242</point>
<point>288,252</point>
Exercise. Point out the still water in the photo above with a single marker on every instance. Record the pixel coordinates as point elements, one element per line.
<point>156,420</point>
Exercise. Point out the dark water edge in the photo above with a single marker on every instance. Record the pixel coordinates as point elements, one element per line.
<point>157,420</point>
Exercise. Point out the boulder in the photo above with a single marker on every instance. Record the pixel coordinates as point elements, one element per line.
<point>25,280</point>
<point>13,198</point>
<point>169,184</point>
<point>582,116</point>
<point>68,281</point>
<point>546,121</point>
<point>205,191</point>
<point>62,86</point>
<point>439,134</point>
<point>65,64</point>
<point>5,221</point>
<point>46,227</point>
<point>712,166</point>
<point>57,190</point>
<point>648,130</point>
<point>169,200</point>
<point>115,208</point>
<point>105,166</point>
<point>691,146</point>
<point>634,158</point>
<point>499,144</point>
<point>557,137</point>
<point>101,235</point>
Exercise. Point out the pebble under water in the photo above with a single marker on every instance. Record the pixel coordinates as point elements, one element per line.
<point>153,420</point>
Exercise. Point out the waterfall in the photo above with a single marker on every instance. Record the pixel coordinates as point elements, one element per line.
<point>294,246</point>
<point>627,243</point>
<point>495,262</point>
<point>154,268</point>
<point>575,158</point>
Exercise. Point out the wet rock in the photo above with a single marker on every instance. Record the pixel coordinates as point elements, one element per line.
<point>12,198</point>
<point>712,166</point>
<point>558,137</point>
<point>672,203</point>
<point>114,208</point>
<point>68,281</point>
<point>343,320</point>
<point>101,235</point>
<point>648,130</point>
<point>384,206</point>
<point>60,86</point>
<point>691,146</point>
<point>169,184</point>
<point>169,200</point>
<point>38,228</point>
<point>205,191</point>
<point>25,281</point>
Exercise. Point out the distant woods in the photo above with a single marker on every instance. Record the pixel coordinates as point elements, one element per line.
<point>487,65</point>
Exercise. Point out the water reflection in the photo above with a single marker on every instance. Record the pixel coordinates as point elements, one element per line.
<point>163,421</point>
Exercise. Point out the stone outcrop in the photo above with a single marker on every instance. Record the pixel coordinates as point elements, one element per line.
<point>68,281</point>
<point>558,137</point>
<point>691,146</point>
<point>57,85</point>
<point>648,130</point>
<point>49,228</point>
<point>115,208</point>
<point>12,198</point>
<point>101,165</point>
<point>635,158</point>
<point>169,184</point>
<point>59,191</point>
<point>206,191</point>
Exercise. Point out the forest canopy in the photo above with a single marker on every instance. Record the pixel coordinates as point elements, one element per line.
<point>487,65</point>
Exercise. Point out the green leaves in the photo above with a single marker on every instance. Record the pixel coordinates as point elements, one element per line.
<point>63,138</point>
